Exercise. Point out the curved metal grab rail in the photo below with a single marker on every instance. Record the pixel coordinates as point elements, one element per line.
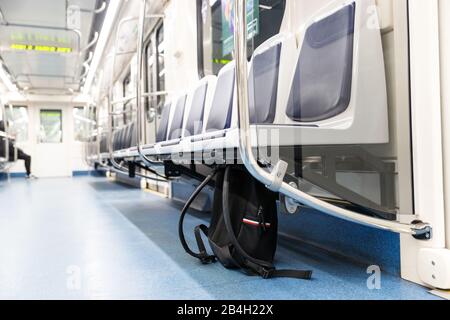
<point>91,133</point>
<point>111,102</point>
<point>114,163</point>
<point>117,167</point>
<point>92,11</point>
<point>119,27</point>
<point>91,44</point>
<point>86,143</point>
<point>139,95</point>
<point>274,180</point>
<point>95,11</point>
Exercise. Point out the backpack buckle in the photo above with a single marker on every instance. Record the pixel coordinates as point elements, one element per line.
<point>267,273</point>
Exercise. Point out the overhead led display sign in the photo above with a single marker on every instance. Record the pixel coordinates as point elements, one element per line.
<point>39,48</point>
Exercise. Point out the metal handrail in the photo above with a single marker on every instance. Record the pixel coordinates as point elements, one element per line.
<point>139,95</point>
<point>99,136</point>
<point>91,44</point>
<point>119,27</point>
<point>88,60</point>
<point>95,11</point>
<point>144,95</point>
<point>117,167</point>
<point>115,164</point>
<point>142,16</point>
<point>90,134</point>
<point>274,180</point>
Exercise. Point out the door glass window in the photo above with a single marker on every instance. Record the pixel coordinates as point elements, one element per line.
<point>161,64</point>
<point>51,126</point>
<point>80,123</point>
<point>151,102</point>
<point>155,77</point>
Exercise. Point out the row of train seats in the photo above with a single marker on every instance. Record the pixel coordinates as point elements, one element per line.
<point>125,138</point>
<point>122,139</point>
<point>104,143</point>
<point>329,90</point>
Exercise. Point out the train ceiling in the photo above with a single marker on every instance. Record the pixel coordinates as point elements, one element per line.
<point>45,44</point>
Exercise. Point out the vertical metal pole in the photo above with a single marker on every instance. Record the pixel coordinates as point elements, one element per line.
<point>140,45</point>
<point>140,63</point>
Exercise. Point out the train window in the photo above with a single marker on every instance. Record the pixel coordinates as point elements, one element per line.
<point>216,39</point>
<point>155,79</point>
<point>150,77</point>
<point>160,49</point>
<point>17,117</point>
<point>50,126</point>
<point>156,73</point>
<point>80,123</point>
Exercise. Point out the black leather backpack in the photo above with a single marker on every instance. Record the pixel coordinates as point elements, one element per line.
<point>243,232</point>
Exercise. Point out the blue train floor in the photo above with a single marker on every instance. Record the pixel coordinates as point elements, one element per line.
<point>88,238</point>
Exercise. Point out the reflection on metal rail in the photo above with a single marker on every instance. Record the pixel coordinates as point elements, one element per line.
<point>274,180</point>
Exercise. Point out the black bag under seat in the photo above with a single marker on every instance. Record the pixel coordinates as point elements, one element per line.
<point>243,233</point>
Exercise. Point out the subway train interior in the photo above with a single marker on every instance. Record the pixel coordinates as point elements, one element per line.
<point>224,150</point>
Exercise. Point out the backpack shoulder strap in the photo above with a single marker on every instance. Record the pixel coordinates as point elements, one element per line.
<point>205,258</point>
<point>295,274</point>
<point>270,273</point>
<point>203,255</point>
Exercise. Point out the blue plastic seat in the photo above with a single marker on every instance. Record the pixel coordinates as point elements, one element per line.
<point>222,107</point>
<point>322,85</point>
<point>163,128</point>
<point>176,127</point>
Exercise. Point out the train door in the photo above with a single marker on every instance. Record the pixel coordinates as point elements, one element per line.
<point>52,157</point>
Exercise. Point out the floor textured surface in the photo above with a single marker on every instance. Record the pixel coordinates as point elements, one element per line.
<point>87,238</point>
